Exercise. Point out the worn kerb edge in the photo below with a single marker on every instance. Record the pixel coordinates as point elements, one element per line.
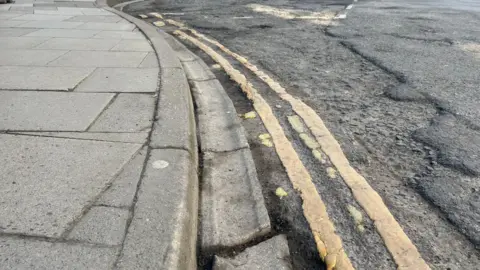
<point>328,242</point>
<point>184,259</point>
<point>402,249</point>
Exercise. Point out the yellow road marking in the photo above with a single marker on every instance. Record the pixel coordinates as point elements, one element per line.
<point>328,242</point>
<point>156,14</point>
<point>159,23</point>
<point>403,251</point>
<point>143,16</point>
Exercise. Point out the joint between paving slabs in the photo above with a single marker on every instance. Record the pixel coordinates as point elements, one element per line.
<point>103,110</point>
<point>21,133</point>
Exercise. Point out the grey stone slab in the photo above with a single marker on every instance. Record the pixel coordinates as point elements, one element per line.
<point>28,57</point>
<point>104,225</point>
<point>120,34</point>
<point>107,26</point>
<point>95,18</point>
<point>21,8</point>
<point>6,24</point>
<point>84,4</point>
<point>41,78</point>
<point>219,126</point>
<point>72,33</point>
<point>42,17</point>
<point>150,61</point>
<point>49,181</point>
<point>272,254</point>
<point>50,25</point>
<point>180,50</point>
<point>95,11</point>
<point>40,8</point>
<point>123,188</point>
<point>18,253</point>
<point>99,59</point>
<point>36,111</point>
<point>138,137</point>
<point>15,32</point>
<point>133,45</point>
<point>175,106</point>
<point>20,42</point>
<point>9,15</point>
<point>85,44</point>
<point>121,80</point>
<point>197,70</point>
<point>5,7</point>
<point>233,210</point>
<point>163,231</point>
<point>127,113</point>
<point>58,12</point>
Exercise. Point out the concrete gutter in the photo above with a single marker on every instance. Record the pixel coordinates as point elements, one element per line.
<point>163,232</point>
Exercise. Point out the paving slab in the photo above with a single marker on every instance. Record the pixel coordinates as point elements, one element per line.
<point>121,80</point>
<point>95,18</point>
<point>20,42</point>
<point>50,25</point>
<point>120,34</point>
<point>18,253</point>
<point>162,234</point>
<point>130,137</point>
<point>219,126</point>
<point>272,254</point>
<point>9,15</point>
<point>123,188</point>
<point>232,208</point>
<point>40,8</point>
<point>5,23</point>
<point>36,111</point>
<point>103,225</point>
<point>133,45</point>
<point>15,32</point>
<point>174,106</point>
<point>84,44</point>
<point>22,8</point>
<point>9,57</point>
<point>58,12</point>
<point>41,78</point>
<point>127,113</point>
<point>5,7</point>
<point>150,61</point>
<point>99,59</point>
<point>41,17</point>
<point>48,183</point>
<point>107,26</point>
<point>71,33</point>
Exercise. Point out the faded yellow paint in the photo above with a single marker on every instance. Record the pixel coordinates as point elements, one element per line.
<point>143,16</point>
<point>296,123</point>
<point>250,115</point>
<point>156,14</point>
<point>328,242</point>
<point>280,192</point>
<point>159,23</point>
<point>265,139</point>
<point>357,217</point>
<point>319,156</point>
<point>331,172</point>
<point>401,248</point>
<point>309,141</point>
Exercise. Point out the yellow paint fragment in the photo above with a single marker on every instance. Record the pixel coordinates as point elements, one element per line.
<point>331,172</point>
<point>309,141</point>
<point>280,192</point>
<point>156,14</point>
<point>159,23</point>
<point>250,115</point>
<point>265,139</point>
<point>216,66</point>
<point>296,123</point>
<point>357,217</point>
<point>143,16</point>
<point>319,156</point>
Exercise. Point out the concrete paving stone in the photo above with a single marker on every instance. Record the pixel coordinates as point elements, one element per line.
<point>138,137</point>
<point>40,8</point>
<point>58,12</point>
<point>9,57</point>
<point>50,25</point>
<point>41,78</point>
<point>5,7</point>
<point>103,225</point>
<point>99,59</point>
<point>133,46</point>
<point>15,32</point>
<point>5,23</point>
<point>37,111</point>
<point>42,17</point>
<point>71,33</point>
<point>17,2</point>
<point>180,50</point>
<point>95,11</point>
<point>123,188</point>
<point>120,34</point>
<point>150,61</point>
<point>233,210</point>
<point>107,26</point>
<point>20,4</point>
<point>20,8</point>
<point>53,4</point>
<point>219,127</point>
<point>127,113</point>
<point>84,4</point>
<point>48,183</point>
<point>95,18</point>
<point>197,71</point>
<point>174,106</point>
<point>78,44</point>
<point>9,15</point>
<point>20,42</point>
<point>272,254</point>
<point>18,253</point>
<point>163,231</point>
<point>121,80</point>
